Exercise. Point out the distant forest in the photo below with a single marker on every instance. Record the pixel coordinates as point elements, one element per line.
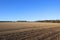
<point>6,21</point>
<point>53,21</point>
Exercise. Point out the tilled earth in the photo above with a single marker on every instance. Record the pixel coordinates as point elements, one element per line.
<point>32,34</point>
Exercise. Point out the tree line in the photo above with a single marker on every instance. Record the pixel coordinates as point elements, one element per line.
<point>53,21</point>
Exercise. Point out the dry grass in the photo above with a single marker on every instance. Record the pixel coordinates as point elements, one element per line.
<point>29,31</point>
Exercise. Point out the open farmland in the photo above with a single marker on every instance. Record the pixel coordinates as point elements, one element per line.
<point>29,31</point>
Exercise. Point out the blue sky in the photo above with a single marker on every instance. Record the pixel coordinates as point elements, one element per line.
<point>29,9</point>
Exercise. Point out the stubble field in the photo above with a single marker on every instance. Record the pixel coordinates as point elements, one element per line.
<point>29,31</point>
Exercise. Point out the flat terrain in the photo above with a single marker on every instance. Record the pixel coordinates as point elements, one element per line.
<point>29,31</point>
